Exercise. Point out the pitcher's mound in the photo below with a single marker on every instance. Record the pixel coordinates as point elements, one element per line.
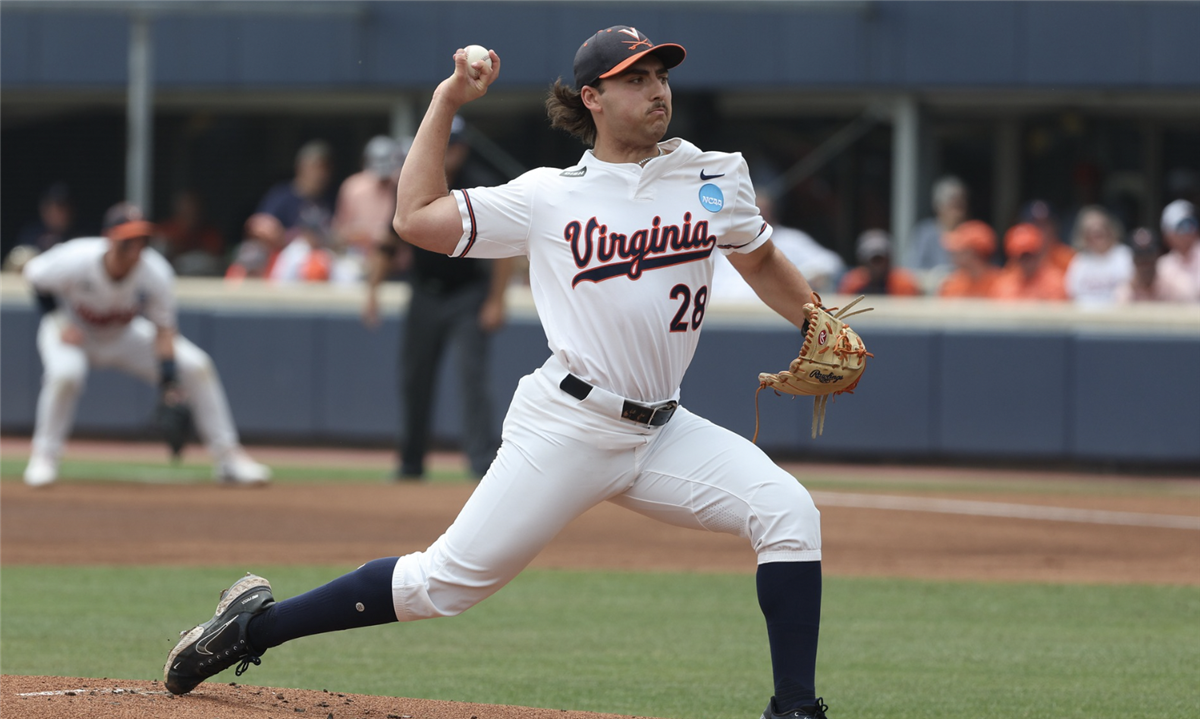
<point>72,698</point>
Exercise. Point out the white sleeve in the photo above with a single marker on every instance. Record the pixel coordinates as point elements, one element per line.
<point>160,290</point>
<point>496,221</point>
<point>747,229</point>
<point>51,271</point>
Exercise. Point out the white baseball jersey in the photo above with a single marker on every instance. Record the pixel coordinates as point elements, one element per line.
<point>620,256</point>
<point>101,306</point>
<point>621,262</point>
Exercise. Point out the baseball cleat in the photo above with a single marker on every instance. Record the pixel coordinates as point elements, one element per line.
<point>41,470</point>
<point>814,711</point>
<point>238,468</point>
<point>219,643</point>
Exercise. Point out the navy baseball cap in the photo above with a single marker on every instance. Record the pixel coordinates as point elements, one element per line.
<point>612,50</point>
<point>125,221</point>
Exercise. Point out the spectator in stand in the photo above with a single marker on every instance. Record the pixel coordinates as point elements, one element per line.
<point>1087,180</point>
<point>1028,274</point>
<point>362,219</point>
<point>820,264</point>
<point>926,253</point>
<point>1180,267</point>
<point>1040,214</point>
<point>256,255</point>
<point>307,194</point>
<point>875,274</point>
<point>1145,285</point>
<point>55,224</point>
<point>55,220</point>
<point>193,245</point>
<point>971,246</point>
<point>306,257</point>
<point>1101,263</point>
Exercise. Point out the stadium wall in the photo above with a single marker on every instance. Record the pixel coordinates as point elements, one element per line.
<point>950,382</point>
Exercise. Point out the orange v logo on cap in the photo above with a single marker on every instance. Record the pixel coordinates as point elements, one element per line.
<point>637,40</point>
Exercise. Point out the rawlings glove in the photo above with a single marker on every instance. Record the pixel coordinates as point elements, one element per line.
<point>175,423</point>
<point>173,416</point>
<point>831,361</point>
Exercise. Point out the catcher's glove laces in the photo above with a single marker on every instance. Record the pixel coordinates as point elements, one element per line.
<point>831,361</point>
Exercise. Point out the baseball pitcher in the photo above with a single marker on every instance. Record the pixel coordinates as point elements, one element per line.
<point>620,247</point>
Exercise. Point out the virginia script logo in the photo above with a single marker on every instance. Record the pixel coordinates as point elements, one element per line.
<point>602,255</point>
<point>99,318</point>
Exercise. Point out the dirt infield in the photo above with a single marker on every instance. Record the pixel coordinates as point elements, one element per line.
<point>137,523</point>
<point>71,698</point>
<point>966,525</point>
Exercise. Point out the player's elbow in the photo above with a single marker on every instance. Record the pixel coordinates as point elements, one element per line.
<point>398,224</point>
<point>431,228</point>
<point>411,225</point>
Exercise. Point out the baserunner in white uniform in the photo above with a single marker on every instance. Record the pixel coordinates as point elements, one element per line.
<point>621,249</point>
<point>109,302</point>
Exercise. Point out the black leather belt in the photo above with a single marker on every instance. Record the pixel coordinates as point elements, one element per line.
<point>651,415</point>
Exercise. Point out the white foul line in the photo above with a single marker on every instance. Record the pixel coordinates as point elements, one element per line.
<point>78,692</point>
<point>1001,509</point>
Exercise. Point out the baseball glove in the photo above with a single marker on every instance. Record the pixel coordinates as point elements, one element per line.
<point>831,361</point>
<point>174,419</point>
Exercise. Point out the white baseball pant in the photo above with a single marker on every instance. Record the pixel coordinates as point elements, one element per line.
<point>560,456</point>
<point>65,367</point>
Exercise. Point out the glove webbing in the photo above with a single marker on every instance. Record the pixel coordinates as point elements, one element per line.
<point>841,348</point>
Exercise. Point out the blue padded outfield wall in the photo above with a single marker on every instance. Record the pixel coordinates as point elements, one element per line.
<point>954,382</point>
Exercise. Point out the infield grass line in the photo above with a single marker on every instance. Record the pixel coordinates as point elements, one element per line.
<point>192,472</point>
<point>200,472</point>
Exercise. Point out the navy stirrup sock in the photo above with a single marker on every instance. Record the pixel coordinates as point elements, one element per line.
<point>362,598</point>
<point>789,594</point>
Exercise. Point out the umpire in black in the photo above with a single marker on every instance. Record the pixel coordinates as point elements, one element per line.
<point>459,302</point>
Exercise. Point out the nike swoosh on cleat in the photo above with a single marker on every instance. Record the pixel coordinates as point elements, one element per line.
<point>202,645</point>
<point>710,177</point>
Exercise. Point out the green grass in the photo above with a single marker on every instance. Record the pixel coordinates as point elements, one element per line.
<point>666,645</point>
<point>197,472</point>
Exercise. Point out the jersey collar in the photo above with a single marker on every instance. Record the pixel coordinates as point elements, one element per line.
<point>671,147</point>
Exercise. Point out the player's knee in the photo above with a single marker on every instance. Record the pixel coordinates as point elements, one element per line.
<point>67,378</point>
<point>195,366</point>
<point>789,524</point>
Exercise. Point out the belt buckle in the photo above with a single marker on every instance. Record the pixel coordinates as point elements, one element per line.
<point>645,414</point>
<point>668,407</point>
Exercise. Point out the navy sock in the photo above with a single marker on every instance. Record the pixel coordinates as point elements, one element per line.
<point>789,594</point>
<point>362,598</point>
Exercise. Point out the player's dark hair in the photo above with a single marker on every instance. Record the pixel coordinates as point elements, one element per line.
<point>567,112</point>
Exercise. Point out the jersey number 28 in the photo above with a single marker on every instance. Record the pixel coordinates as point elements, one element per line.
<point>684,293</point>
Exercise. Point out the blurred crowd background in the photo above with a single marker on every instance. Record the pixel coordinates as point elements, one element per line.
<point>1011,150</point>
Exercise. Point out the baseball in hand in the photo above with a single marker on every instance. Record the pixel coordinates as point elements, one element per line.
<point>477,53</point>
